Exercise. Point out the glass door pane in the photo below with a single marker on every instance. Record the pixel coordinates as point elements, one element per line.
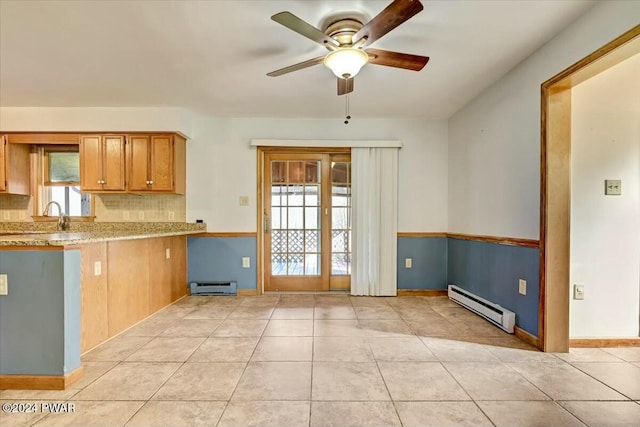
<point>295,218</point>
<point>341,218</point>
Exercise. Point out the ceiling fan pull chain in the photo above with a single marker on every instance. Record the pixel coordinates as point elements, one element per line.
<point>346,109</point>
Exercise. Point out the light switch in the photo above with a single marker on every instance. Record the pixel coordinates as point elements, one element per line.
<point>408,263</point>
<point>613,187</point>
<point>578,291</point>
<point>97,268</point>
<point>246,262</point>
<point>167,253</point>
<point>244,200</point>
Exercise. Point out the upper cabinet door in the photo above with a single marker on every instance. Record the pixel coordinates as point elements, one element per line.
<point>139,158</point>
<point>161,165</point>
<point>3,173</point>
<point>102,163</point>
<point>91,163</point>
<point>15,168</point>
<point>113,163</point>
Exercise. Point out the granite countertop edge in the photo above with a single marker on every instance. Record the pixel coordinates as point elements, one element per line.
<point>78,238</point>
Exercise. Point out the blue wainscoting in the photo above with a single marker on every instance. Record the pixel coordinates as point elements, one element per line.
<point>492,270</point>
<point>219,259</point>
<point>429,259</point>
<point>40,316</point>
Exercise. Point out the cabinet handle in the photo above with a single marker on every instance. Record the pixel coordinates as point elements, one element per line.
<point>151,182</point>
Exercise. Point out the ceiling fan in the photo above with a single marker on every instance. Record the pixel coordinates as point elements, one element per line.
<point>347,38</point>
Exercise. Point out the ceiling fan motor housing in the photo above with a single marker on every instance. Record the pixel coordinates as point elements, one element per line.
<point>343,30</point>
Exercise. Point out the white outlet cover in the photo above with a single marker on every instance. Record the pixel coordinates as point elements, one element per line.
<point>4,284</point>
<point>141,215</point>
<point>578,292</point>
<point>6,215</point>
<point>125,215</point>
<point>97,268</point>
<point>171,215</point>
<point>522,287</point>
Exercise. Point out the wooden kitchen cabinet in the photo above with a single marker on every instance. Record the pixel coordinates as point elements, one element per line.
<point>167,276</point>
<point>95,326</point>
<point>15,177</point>
<point>156,163</point>
<point>160,272</point>
<point>128,283</point>
<point>135,280</point>
<point>102,163</point>
<point>179,273</point>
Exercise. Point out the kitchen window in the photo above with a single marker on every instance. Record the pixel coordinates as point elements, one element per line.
<point>59,181</point>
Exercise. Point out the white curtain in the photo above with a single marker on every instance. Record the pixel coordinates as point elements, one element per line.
<point>374,198</point>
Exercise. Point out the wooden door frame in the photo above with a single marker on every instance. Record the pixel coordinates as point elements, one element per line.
<point>260,153</point>
<point>555,186</point>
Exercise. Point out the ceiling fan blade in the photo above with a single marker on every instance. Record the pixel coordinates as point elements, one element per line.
<point>397,59</point>
<point>296,67</point>
<point>301,27</point>
<point>345,86</point>
<point>393,15</point>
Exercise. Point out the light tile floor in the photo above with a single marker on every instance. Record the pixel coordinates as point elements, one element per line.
<point>335,360</point>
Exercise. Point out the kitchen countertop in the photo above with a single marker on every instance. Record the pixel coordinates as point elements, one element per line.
<point>56,238</point>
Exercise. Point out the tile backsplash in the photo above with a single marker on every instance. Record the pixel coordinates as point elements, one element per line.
<point>140,208</point>
<point>109,208</point>
<point>15,208</point>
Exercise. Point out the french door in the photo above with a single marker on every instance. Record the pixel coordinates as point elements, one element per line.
<point>306,221</point>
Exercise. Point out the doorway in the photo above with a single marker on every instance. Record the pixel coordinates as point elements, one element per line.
<point>555,186</point>
<point>306,220</point>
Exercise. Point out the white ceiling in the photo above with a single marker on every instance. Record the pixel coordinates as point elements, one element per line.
<point>212,56</point>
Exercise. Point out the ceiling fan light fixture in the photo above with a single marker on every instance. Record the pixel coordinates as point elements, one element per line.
<point>346,62</point>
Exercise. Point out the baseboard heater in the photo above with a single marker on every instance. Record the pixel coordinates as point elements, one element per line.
<point>495,314</point>
<point>213,288</point>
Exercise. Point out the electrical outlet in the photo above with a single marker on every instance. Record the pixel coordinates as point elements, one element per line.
<point>522,286</point>
<point>167,253</point>
<point>141,215</point>
<point>21,215</point>
<point>408,263</point>
<point>125,215</point>
<point>578,292</point>
<point>6,215</point>
<point>244,200</point>
<point>171,215</point>
<point>97,268</point>
<point>4,284</point>
<point>246,262</point>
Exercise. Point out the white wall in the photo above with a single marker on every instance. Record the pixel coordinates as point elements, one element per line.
<point>222,166</point>
<point>605,230</point>
<point>59,119</point>
<point>494,141</point>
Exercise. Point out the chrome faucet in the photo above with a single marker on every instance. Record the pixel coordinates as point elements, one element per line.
<point>62,218</point>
